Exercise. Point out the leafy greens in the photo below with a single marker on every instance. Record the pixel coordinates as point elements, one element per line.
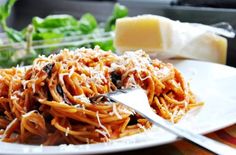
<point>53,29</point>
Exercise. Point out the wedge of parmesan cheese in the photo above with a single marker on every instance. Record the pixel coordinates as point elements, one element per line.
<point>164,38</point>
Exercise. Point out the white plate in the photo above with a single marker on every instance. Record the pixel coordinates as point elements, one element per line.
<point>212,83</point>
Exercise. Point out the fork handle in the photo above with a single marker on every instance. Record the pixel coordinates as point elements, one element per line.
<point>207,143</point>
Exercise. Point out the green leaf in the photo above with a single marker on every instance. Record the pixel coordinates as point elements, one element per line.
<point>119,11</point>
<point>46,36</point>
<point>55,21</point>
<point>87,23</point>
<point>14,35</point>
<point>5,58</point>
<point>56,26</point>
<point>66,31</point>
<point>5,9</point>
<point>105,45</point>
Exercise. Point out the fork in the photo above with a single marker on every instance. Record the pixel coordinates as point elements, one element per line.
<point>136,99</point>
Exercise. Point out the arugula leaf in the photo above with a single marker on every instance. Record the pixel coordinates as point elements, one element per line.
<point>87,23</point>
<point>119,11</point>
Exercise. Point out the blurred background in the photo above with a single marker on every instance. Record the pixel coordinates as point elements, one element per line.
<point>198,11</point>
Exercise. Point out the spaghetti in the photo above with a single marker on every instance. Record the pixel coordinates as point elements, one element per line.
<point>49,102</point>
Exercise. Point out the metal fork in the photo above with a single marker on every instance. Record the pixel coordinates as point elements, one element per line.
<point>136,99</point>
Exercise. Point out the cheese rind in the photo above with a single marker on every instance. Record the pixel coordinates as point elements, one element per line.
<point>165,38</point>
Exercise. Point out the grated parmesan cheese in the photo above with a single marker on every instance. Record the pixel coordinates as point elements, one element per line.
<point>82,97</point>
<point>141,127</point>
<point>29,113</point>
<point>9,125</point>
<point>131,82</point>
<point>162,72</point>
<point>102,133</point>
<point>87,141</point>
<point>67,131</point>
<point>14,97</point>
<point>115,111</point>
<point>72,70</point>
<point>24,83</point>
<point>142,79</point>
<point>102,126</point>
<point>61,75</point>
<point>97,76</point>
<point>18,93</point>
